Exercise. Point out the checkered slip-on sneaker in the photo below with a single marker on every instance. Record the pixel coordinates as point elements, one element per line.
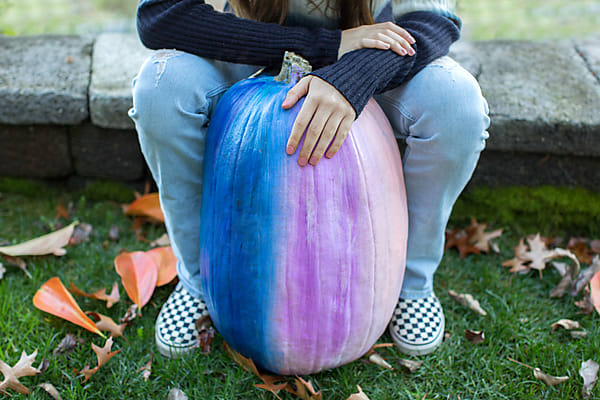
<point>417,326</point>
<point>175,331</point>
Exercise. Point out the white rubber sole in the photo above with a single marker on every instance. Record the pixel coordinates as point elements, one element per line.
<point>421,349</point>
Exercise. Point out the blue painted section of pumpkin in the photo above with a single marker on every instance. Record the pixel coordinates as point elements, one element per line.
<point>240,193</point>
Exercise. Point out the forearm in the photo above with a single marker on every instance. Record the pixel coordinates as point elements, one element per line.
<point>360,74</point>
<point>195,27</point>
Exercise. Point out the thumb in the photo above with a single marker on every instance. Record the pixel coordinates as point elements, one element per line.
<point>299,90</point>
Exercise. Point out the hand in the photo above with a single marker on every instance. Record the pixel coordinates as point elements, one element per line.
<point>385,36</point>
<point>328,113</point>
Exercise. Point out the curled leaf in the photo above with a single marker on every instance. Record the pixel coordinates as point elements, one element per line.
<point>358,396</point>
<point>51,390</point>
<point>55,299</point>
<point>81,234</point>
<point>111,299</point>
<point>566,324</point>
<point>177,394</point>
<point>166,262</point>
<point>549,379</point>
<point>147,205</point>
<point>139,274</point>
<point>475,337</point>
<point>589,373</point>
<point>585,277</point>
<point>377,359</point>
<point>106,323</point>
<point>303,389</point>
<point>410,365</point>
<point>103,354</point>
<point>51,243</point>
<point>467,300</point>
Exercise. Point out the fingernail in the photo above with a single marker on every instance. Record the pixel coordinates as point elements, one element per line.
<point>412,52</point>
<point>314,160</point>
<point>285,103</point>
<point>289,150</point>
<point>302,161</point>
<point>403,52</point>
<point>329,155</point>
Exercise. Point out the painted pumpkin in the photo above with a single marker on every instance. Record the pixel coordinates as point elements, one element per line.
<point>301,266</point>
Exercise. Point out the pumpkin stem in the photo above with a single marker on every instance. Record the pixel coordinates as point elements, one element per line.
<point>293,68</point>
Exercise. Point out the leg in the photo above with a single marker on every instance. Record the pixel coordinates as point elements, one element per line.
<point>174,95</point>
<point>443,116</point>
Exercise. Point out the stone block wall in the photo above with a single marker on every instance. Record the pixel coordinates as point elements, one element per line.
<point>64,102</point>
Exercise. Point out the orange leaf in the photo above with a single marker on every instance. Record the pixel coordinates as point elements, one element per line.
<point>138,273</point>
<point>55,299</point>
<point>595,291</point>
<point>147,205</point>
<point>166,263</point>
<point>110,299</point>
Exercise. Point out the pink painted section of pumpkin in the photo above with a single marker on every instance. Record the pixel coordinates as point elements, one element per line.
<point>353,271</point>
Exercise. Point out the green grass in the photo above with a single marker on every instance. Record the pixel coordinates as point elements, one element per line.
<point>483,19</point>
<point>518,324</point>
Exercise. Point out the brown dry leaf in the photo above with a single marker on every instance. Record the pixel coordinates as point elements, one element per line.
<point>475,337</point>
<point>22,368</point>
<point>377,359</point>
<point>460,239</point>
<point>61,210</point>
<point>103,354</point>
<point>105,323</point>
<point>130,314</point>
<point>67,345</point>
<point>516,264</point>
<point>568,273</point>
<point>358,396</point>
<point>111,299</point>
<point>586,305</point>
<point>147,369</point>
<point>467,300</point>
<point>51,243</point>
<point>81,234</point>
<point>595,246</point>
<point>303,389</point>
<point>481,239</point>
<point>44,364</point>
<point>410,365</point>
<point>177,394</point>
<point>48,387</point>
<point>206,333</point>
<point>161,241</point>
<point>585,276</point>
<point>589,373</point>
<point>17,262</point>
<point>549,379</point>
<point>566,324</point>
<point>579,247</point>
<point>113,233</point>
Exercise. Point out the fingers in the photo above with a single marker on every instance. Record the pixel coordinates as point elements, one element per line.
<point>342,132</point>
<point>299,90</point>
<point>329,132</point>
<point>312,134</point>
<point>397,43</point>
<point>303,118</point>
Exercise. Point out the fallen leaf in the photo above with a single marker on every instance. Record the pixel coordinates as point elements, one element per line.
<point>111,299</point>
<point>481,239</point>
<point>475,337</point>
<point>467,300</point>
<point>138,223</point>
<point>67,345</point>
<point>147,369</point>
<point>460,239</point>
<point>81,234</point>
<point>130,314</point>
<point>578,334</point>
<point>358,396</point>
<point>165,260</point>
<point>206,333</point>
<point>517,264</point>
<point>48,387</point>
<point>410,365</point>
<point>549,379</point>
<point>586,304</point>
<point>377,359</point>
<point>579,247</point>
<point>595,246</point>
<point>147,205</point>
<point>595,291</point>
<point>2,271</point>
<point>18,262</point>
<point>103,354</point>
<point>62,211</point>
<point>106,323</point>
<point>44,364</point>
<point>566,324</point>
<point>51,243</point>
<point>22,368</point>
<point>303,389</point>
<point>163,240</point>
<point>585,277</point>
<point>177,394</point>
<point>55,299</point>
<point>589,373</point>
<point>113,233</point>
<point>139,274</point>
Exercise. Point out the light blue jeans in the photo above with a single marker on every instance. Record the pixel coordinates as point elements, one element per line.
<point>440,112</point>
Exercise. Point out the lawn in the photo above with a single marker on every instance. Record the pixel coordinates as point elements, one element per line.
<point>483,19</point>
<point>520,314</point>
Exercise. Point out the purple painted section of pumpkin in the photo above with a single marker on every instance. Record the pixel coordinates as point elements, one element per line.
<point>342,277</point>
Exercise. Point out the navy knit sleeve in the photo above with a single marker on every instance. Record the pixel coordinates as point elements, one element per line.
<point>195,27</point>
<point>360,74</point>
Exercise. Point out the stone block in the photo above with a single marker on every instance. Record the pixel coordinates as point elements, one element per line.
<point>498,168</point>
<point>117,58</point>
<point>542,98</point>
<point>44,79</point>
<point>589,49</point>
<point>38,151</point>
<point>106,153</point>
